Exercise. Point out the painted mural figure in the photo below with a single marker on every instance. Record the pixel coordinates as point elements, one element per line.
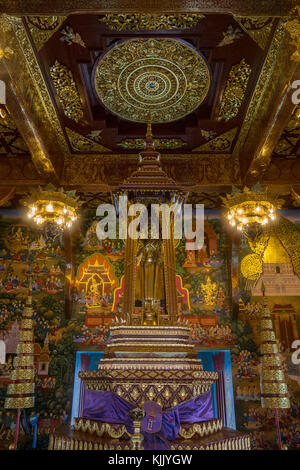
<point>94,297</point>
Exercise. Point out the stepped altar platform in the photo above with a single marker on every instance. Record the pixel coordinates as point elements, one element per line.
<point>156,367</point>
<point>150,340</point>
<point>150,364</point>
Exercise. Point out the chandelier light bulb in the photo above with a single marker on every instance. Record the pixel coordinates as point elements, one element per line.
<point>49,207</point>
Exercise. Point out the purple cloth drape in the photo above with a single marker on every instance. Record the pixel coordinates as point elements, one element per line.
<point>219,360</point>
<point>110,408</point>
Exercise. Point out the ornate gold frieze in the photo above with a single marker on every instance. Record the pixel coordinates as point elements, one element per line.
<point>147,21</point>
<point>275,402</point>
<point>186,431</point>
<point>235,90</point>
<point>23,374</point>
<point>257,27</point>
<point>231,442</point>
<point>43,27</point>
<point>160,144</point>
<point>15,403</point>
<point>222,143</point>
<point>190,169</point>
<point>82,144</point>
<point>66,89</point>
<point>200,429</point>
<point>163,76</point>
<point>20,388</point>
<point>101,429</point>
<point>165,394</point>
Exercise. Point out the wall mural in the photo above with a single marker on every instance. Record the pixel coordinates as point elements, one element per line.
<point>204,275</point>
<point>23,249</point>
<point>204,302</point>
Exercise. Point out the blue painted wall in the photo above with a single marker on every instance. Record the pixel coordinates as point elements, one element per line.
<point>96,357</point>
<point>207,362</point>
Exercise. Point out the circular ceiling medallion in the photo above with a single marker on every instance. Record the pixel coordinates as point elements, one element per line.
<point>166,77</point>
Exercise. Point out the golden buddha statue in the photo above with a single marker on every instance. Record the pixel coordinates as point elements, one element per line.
<point>150,280</point>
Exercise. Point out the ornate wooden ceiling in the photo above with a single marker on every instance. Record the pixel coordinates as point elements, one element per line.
<point>68,58</point>
<point>58,129</point>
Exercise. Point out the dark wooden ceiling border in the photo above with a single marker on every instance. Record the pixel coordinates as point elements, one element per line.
<point>236,7</point>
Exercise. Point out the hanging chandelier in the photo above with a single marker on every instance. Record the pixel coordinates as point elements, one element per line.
<point>251,209</point>
<point>52,206</point>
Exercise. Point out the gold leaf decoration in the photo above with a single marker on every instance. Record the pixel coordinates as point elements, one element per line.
<point>251,266</point>
<point>163,76</point>
<point>257,27</point>
<point>235,90</point>
<point>222,143</point>
<point>160,144</point>
<point>66,89</point>
<point>80,143</point>
<point>43,27</point>
<point>145,21</point>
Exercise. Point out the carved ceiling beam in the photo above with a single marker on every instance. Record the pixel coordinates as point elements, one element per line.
<point>18,171</point>
<point>236,7</point>
<point>30,112</point>
<point>192,172</point>
<point>282,173</point>
<point>29,132</point>
<point>269,108</point>
<point>273,130</point>
<point>6,193</point>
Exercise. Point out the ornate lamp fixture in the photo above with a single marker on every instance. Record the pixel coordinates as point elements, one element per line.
<point>51,205</point>
<point>251,209</point>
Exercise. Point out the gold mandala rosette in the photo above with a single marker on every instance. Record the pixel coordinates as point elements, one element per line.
<point>166,77</point>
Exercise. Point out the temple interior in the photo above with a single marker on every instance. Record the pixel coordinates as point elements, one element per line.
<point>149,225</point>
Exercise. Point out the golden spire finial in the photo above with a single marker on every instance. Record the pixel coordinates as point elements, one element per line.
<point>149,136</point>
